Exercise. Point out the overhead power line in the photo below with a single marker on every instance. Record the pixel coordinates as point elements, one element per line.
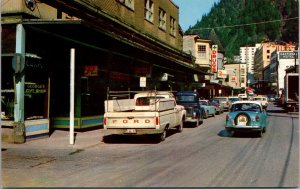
<point>255,23</point>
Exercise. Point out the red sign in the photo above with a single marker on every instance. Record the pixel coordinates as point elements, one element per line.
<point>214,58</point>
<point>90,71</point>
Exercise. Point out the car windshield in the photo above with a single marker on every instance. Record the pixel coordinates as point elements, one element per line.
<point>233,99</point>
<point>245,107</point>
<point>146,101</point>
<point>185,98</point>
<point>214,101</point>
<point>258,99</point>
<point>203,103</point>
<point>221,99</point>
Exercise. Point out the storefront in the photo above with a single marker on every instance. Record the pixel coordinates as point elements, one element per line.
<point>102,62</point>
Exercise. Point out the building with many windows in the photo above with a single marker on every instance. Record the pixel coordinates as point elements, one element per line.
<point>275,72</point>
<point>263,54</point>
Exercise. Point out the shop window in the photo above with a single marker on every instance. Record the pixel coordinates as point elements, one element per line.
<point>36,89</point>
<point>127,3</point>
<point>172,26</point>
<point>201,51</point>
<point>149,7</point>
<point>162,19</point>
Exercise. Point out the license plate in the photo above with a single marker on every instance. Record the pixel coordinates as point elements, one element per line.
<point>130,131</point>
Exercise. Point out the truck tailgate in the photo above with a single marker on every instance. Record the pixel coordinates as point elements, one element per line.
<point>145,120</point>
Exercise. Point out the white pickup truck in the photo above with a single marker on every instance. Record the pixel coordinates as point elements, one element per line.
<point>147,113</point>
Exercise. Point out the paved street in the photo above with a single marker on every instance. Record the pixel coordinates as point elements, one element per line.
<point>204,157</point>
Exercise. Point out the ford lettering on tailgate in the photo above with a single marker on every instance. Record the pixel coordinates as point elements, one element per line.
<point>131,122</point>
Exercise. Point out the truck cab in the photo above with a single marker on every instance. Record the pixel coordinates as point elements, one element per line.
<point>190,101</point>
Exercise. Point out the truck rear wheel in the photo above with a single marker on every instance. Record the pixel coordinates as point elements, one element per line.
<point>180,127</point>
<point>162,136</point>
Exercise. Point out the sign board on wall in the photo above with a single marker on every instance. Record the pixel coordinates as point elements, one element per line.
<point>142,81</point>
<point>90,71</point>
<point>288,55</point>
<point>214,58</point>
<point>222,74</point>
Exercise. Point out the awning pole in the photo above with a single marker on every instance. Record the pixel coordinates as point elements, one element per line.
<point>72,86</point>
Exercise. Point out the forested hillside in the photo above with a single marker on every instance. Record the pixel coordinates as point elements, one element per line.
<point>238,23</point>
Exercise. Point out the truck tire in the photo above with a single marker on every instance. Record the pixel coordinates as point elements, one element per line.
<point>162,136</point>
<point>180,127</point>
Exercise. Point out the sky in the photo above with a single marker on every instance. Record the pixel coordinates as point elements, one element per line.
<point>192,10</point>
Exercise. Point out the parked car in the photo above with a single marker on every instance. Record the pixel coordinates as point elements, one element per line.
<point>208,109</point>
<point>219,106</point>
<point>225,101</point>
<point>262,99</point>
<point>148,112</point>
<point>233,99</point>
<point>242,95</point>
<point>190,101</point>
<point>247,116</point>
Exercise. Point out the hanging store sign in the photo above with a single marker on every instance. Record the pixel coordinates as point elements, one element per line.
<point>214,58</point>
<point>90,71</point>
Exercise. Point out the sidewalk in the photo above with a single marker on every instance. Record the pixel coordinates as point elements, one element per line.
<point>60,139</point>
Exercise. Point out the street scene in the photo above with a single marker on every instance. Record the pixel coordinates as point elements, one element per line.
<point>203,156</point>
<point>149,93</point>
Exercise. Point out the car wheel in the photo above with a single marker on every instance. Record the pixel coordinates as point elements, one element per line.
<point>162,136</point>
<point>265,130</point>
<point>260,133</point>
<point>206,115</point>
<point>180,127</point>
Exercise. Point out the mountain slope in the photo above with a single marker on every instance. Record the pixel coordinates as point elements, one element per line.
<point>246,22</point>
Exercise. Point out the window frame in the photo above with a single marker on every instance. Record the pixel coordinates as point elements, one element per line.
<point>162,22</point>
<point>201,54</point>
<point>127,3</point>
<point>149,10</point>
<point>173,26</point>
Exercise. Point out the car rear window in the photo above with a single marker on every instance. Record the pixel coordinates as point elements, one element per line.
<point>185,98</point>
<point>245,107</point>
<point>222,99</point>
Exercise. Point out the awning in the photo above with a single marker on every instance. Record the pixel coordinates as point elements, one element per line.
<point>69,30</point>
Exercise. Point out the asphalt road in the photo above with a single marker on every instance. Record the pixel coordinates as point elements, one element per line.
<point>205,156</point>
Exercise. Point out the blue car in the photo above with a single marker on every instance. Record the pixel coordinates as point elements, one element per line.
<point>247,116</point>
<point>190,101</point>
<point>208,109</point>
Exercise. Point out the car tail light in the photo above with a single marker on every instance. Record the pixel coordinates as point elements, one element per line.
<point>104,121</point>
<point>257,118</point>
<point>156,121</point>
<point>227,117</point>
